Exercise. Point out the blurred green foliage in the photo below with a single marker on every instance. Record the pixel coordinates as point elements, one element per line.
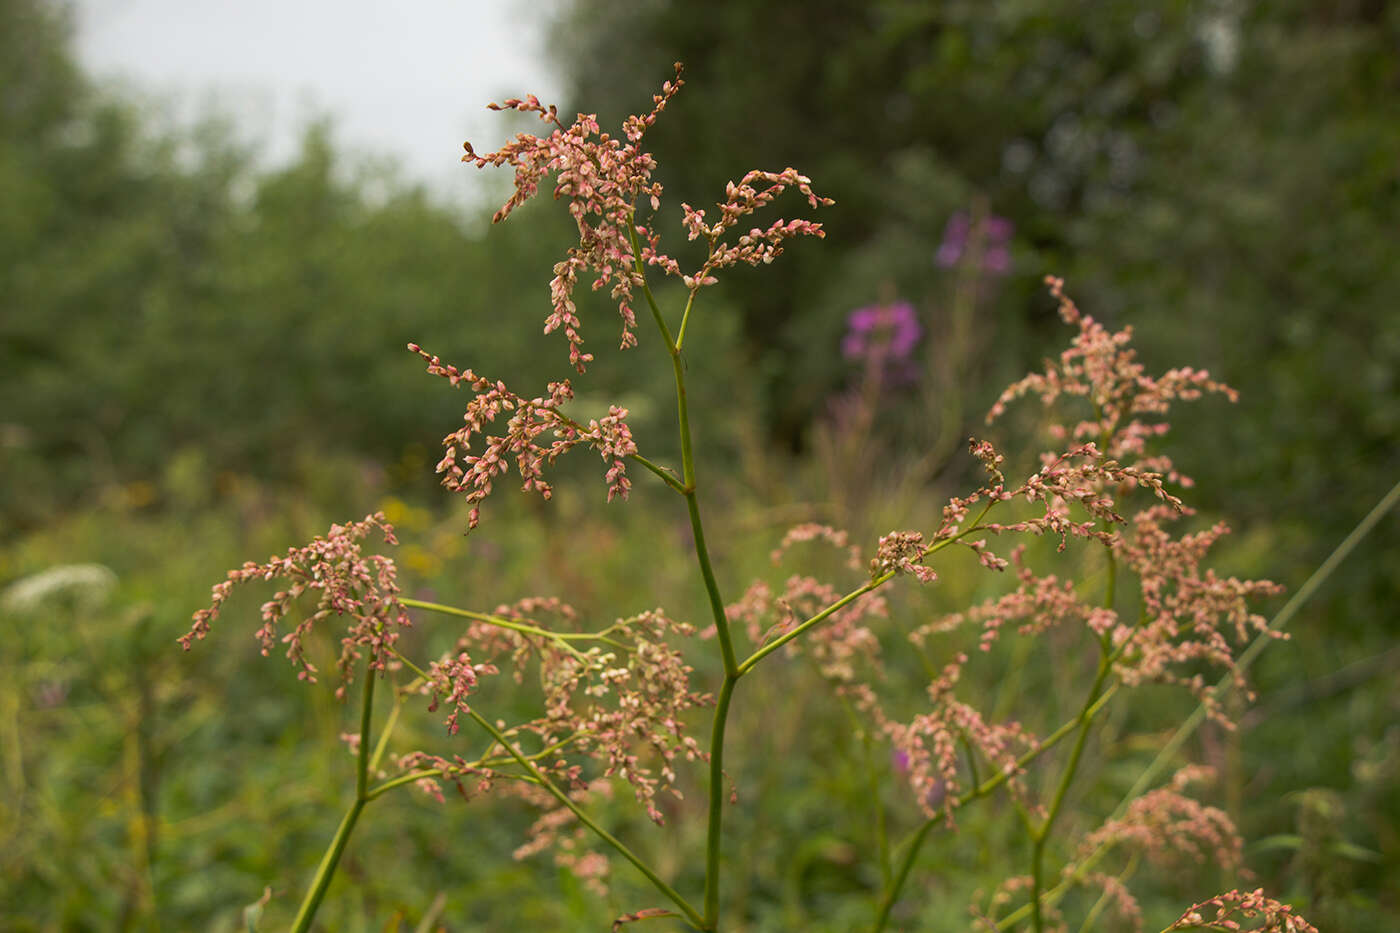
<point>201,362</point>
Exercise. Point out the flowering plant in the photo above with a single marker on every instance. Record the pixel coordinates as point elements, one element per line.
<point>617,705</point>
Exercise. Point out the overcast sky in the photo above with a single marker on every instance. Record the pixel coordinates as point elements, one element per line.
<point>408,79</point>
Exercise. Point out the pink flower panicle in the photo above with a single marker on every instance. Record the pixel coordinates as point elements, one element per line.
<point>758,246</point>
<point>1189,614</point>
<point>1119,898</point>
<point>930,746</point>
<point>1166,825</point>
<point>1267,915</point>
<point>603,177</point>
<point>1099,366</point>
<point>558,828</point>
<point>529,419</point>
<point>1081,476</point>
<point>349,583</point>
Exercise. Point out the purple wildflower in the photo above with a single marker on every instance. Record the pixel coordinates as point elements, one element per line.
<point>995,233</point>
<point>883,332</point>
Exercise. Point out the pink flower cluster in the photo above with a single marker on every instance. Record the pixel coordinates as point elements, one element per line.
<point>1269,915</point>
<point>1188,614</point>
<point>995,234</point>
<point>901,552</point>
<point>930,746</point>
<point>475,474</point>
<point>1099,366</point>
<point>757,246</point>
<point>454,679</point>
<point>1165,824</point>
<point>1038,604</point>
<point>349,583</point>
<point>603,177</point>
<point>881,330</point>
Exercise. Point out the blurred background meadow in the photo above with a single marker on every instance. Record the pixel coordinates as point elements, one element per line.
<point>202,330</point>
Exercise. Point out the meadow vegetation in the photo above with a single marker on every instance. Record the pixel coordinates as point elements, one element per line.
<point>202,365</point>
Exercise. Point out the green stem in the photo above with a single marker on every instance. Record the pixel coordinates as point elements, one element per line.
<point>911,847</point>
<point>691,914</point>
<point>326,870</point>
<point>702,556</point>
<point>716,802</point>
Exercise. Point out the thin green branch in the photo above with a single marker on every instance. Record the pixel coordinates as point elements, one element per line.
<point>691,914</point>
<point>390,724</point>
<point>637,266</point>
<point>667,475</point>
<point>690,301</point>
<point>522,627</point>
<point>849,598</point>
<point>432,773</point>
<point>815,620</point>
<point>685,320</point>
